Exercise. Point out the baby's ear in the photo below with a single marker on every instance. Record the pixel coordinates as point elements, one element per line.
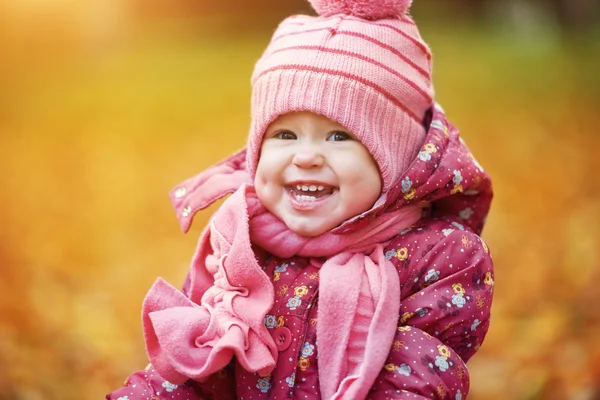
<point>200,191</point>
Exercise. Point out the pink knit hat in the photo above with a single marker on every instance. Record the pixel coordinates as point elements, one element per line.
<point>361,63</point>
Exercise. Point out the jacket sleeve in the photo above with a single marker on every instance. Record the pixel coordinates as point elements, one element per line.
<point>148,385</point>
<point>444,316</point>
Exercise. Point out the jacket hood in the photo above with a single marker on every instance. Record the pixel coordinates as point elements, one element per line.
<point>445,178</point>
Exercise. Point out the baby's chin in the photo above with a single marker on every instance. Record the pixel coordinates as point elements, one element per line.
<point>309,228</point>
<point>309,233</point>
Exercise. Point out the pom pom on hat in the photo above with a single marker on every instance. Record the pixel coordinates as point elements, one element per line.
<point>366,9</point>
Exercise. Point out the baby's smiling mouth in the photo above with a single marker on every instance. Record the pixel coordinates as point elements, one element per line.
<point>309,191</point>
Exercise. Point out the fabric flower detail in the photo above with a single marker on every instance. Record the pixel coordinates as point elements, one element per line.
<point>293,302</point>
<point>276,276</point>
<point>421,312</point>
<point>280,321</point>
<point>466,213</point>
<point>456,189</point>
<point>447,232</point>
<point>466,243</point>
<point>424,156</point>
<point>445,304</point>
<point>430,148</point>
<point>442,363</point>
<point>402,254</point>
<point>444,351</point>
<point>303,363</point>
<point>459,226</point>
<point>479,302</point>
<point>406,316</point>
<point>458,395</point>
<point>390,253</point>
<point>488,280</point>
<point>282,289</point>
<point>406,184</point>
<point>263,385</point>
<point>429,363</point>
<point>457,179</point>
<point>484,245</point>
<point>436,123</point>
<point>459,300</point>
<point>475,324</point>
<point>308,350</point>
<point>291,380</point>
<point>281,268</point>
<point>390,367</point>
<point>458,288</point>
<point>432,276</point>
<point>123,398</point>
<point>477,279</point>
<point>169,387</point>
<point>301,291</point>
<point>406,230</point>
<point>270,321</point>
<point>461,373</point>
<point>404,370</point>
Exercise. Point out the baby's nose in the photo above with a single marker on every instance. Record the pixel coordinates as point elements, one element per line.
<point>309,156</point>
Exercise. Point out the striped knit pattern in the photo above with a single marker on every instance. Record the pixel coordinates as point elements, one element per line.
<point>371,76</point>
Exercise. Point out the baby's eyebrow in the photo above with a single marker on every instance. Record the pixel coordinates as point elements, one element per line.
<point>278,127</point>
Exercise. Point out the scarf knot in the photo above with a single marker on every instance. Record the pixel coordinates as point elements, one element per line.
<point>195,336</point>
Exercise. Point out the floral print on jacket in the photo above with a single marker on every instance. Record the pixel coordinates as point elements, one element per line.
<point>447,281</point>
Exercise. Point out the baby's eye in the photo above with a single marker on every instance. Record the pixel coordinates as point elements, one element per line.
<point>339,136</point>
<point>285,135</point>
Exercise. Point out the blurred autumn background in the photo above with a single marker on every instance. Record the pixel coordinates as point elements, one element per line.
<point>105,105</point>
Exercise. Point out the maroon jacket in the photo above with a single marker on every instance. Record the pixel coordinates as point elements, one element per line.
<point>446,278</point>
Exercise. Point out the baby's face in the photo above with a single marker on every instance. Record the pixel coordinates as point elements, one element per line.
<point>313,174</point>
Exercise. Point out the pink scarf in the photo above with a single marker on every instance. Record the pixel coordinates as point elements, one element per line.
<point>359,295</point>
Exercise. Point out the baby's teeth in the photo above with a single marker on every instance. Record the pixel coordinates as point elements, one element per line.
<point>307,198</point>
<point>311,188</point>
